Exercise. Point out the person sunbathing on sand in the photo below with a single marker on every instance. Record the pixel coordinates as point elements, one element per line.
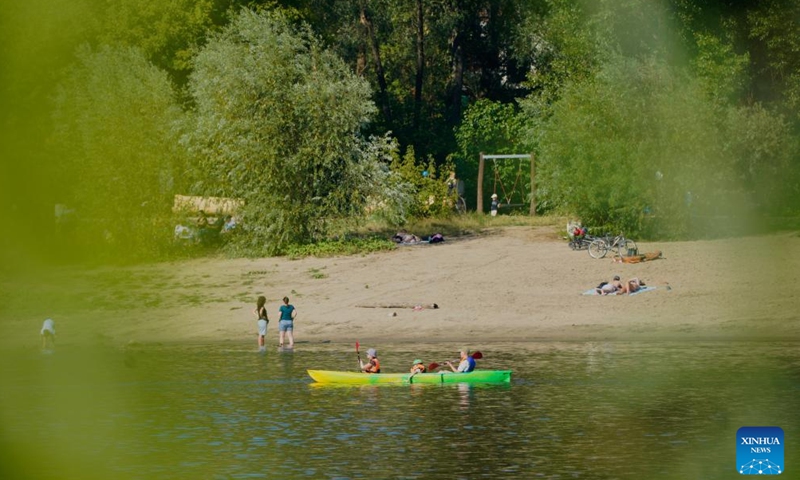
<point>610,288</point>
<point>631,286</point>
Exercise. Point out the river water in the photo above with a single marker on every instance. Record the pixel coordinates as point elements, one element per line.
<point>573,410</point>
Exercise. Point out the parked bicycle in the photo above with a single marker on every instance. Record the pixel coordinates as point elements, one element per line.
<point>578,237</point>
<point>581,242</point>
<point>621,246</point>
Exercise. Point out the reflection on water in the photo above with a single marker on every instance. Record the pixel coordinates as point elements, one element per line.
<point>573,410</point>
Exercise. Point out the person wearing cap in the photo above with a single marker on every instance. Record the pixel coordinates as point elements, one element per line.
<point>467,362</point>
<point>373,365</point>
<point>48,333</point>
<point>418,367</point>
<point>495,205</point>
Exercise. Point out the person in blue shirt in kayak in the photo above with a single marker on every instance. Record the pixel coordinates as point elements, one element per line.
<point>467,362</point>
<point>286,322</point>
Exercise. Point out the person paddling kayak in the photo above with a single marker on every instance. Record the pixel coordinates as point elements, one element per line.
<point>467,362</point>
<point>373,365</point>
<point>418,367</point>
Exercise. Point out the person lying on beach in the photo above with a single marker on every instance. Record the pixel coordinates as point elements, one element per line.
<point>611,287</point>
<point>631,286</point>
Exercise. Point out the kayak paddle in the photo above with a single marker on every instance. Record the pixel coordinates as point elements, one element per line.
<point>359,355</point>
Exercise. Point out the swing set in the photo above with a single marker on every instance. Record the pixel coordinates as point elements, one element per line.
<point>508,195</point>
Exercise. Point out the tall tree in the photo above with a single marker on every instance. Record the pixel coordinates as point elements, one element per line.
<point>278,124</point>
<point>369,27</point>
<point>420,70</point>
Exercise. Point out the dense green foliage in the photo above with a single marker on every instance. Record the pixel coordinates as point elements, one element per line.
<point>493,128</point>
<point>651,144</point>
<point>320,114</point>
<point>119,157</point>
<point>277,124</point>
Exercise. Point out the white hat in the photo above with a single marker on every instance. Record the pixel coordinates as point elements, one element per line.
<point>494,195</point>
<point>372,353</point>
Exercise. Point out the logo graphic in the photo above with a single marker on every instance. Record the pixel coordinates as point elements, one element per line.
<point>759,451</point>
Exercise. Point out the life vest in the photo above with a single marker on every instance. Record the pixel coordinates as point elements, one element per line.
<point>374,366</point>
<point>471,366</point>
<point>419,368</point>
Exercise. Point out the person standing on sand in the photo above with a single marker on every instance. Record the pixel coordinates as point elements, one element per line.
<point>286,323</point>
<point>48,334</point>
<point>261,314</point>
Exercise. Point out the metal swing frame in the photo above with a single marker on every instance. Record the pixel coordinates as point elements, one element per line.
<point>481,165</point>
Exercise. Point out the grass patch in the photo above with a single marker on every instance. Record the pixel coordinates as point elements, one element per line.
<point>317,273</point>
<point>256,272</point>
<point>456,226</point>
<point>347,246</point>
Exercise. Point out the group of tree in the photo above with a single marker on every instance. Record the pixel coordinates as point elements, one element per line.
<point>642,115</point>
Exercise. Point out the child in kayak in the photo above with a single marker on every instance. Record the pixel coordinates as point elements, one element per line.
<point>418,367</point>
<point>373,365</point>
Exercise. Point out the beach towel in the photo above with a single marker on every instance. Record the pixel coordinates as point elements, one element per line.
<point>647,288</point>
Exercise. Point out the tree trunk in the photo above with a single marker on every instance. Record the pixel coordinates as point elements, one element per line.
<point>420,63</point>
<point>458,77</point>
<point>361,61</point>
<point>376,56</point>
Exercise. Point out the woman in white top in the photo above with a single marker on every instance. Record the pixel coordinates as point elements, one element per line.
<point>48,333</point>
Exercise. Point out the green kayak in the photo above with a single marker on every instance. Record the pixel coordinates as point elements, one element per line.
<point>358,378</point>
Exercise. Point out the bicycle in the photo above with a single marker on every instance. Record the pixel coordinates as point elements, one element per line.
<point>582,242</point>
<point>600,246</point>
<point>461,205</point>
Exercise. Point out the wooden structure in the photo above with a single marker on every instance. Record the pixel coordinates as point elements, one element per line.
<point>210,205</point>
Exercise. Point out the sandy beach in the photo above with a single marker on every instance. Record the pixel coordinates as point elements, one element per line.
<point>509,284</point>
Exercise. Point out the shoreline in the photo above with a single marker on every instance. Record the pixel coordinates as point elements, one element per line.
<point>514,284</point>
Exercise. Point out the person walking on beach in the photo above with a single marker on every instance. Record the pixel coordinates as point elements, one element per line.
<point>48,334</point>
<point>286,323</point>
<point>373,365</point>
<point>261,314</point>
